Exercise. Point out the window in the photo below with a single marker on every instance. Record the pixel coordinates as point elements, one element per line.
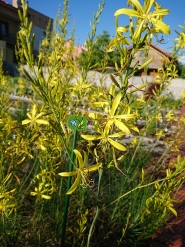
<point>3,28</point>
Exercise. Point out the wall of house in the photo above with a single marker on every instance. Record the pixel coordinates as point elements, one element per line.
<point>9,55</point>
<point>3,49</point>
<point>10,21</point>
<point>39,35</point>
<point>40,23</point>
<point>8,10</point>
<point>13,26</point>
<point>9,16</point>
<point>153,66</point>
<point>38,19</point>
<point>9,26</point>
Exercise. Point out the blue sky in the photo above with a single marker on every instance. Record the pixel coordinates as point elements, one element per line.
<point>81,11</point>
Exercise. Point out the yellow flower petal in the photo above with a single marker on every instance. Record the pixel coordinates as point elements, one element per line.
<point>41,121</point>
<point>46,197</point>
<point>26,121</point>
<point>91,137</point>
<point>79,157</point>
<point>75,184</point>
<point>129,12</point>
<point>122,126</point>
<point>117,145</point>
<point>93,167</point>
<point>68,174</point>
<point>115,103</point>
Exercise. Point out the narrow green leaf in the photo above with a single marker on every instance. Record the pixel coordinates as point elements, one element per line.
<point>28,76</point>
<point>137,32</point>
<point>138,88</point>
<point>114,80</point>
<point>146,63</point>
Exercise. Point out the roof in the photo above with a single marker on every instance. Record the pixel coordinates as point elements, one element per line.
<point>161,50</point>
<point>158,60</point>
<point>77,50</point>
<point>11,6</point>
<point>158,48</point>
<point>8,4</point>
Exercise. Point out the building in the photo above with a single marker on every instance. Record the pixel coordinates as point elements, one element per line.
<point>159,55</point>
<point>77,50</point>
<point>10,25</point>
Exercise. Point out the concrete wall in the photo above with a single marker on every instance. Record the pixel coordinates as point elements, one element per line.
<point>175,89</point>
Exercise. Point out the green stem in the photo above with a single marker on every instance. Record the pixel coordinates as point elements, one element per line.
<point>138,187</point>
<point>68,187</point>
<point>39,223</point>
<point>97,210</point>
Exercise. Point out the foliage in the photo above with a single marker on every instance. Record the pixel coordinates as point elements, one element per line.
<point>100,57</point>
<point>117,198</point>
<point>181,70</point>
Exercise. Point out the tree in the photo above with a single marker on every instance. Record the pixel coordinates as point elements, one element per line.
<point>181,70</point>
<point>100,57</point>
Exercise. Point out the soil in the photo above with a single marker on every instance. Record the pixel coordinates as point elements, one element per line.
<point>173,235</point>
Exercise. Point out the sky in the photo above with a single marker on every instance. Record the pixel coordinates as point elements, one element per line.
<point>81,12</point>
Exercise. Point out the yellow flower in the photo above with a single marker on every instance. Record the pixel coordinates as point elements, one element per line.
<point>33,119</point>
<point>172,72</point>
<point>41,192</point>
<point>141,100</point>
<point>181,40</point>
<point>158,117</point>
<point>174,149</point>
<point>81,172</point>
<point>182,95</point>
<point>120,121</point>
<point>170,117</point>
<point>145,19</point>
<point>105,137</point>
<point>159,133</point>
<point>134,142</point>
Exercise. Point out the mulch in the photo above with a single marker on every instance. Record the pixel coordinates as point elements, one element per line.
<point>173,235</point>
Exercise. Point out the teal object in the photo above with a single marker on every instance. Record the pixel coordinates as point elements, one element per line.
<point>77,122</point>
